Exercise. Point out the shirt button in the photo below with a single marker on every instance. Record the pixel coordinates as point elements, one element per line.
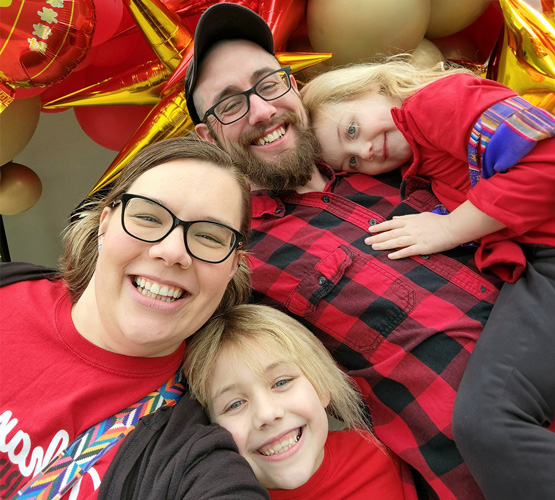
<point>425,257</point>
<point>322,280</point>
<point>372,222</point>
<point>278,210</point>
<point>483,289</point>
<point>326,199</point>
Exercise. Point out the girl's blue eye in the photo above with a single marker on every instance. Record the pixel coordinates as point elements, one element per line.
<point>352,161</point>
<point>234,405</point>
<point>281,383</point>
<point>351,129</point>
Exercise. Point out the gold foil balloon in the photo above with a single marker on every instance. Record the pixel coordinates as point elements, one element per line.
<point>163,29</point>
<point>171,41</point>
<point>141,85</point>
<point>526,58</point>
<point>20,188</point>
<point>169,118</point>
<point>18,123</point>
<point>362,30</point>
<point>450,16</point>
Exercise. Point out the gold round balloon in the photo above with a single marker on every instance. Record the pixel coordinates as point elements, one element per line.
<point>450,16</point>
<point>426,54</point>
<point>20,188</point>
<point>17,125</point>
<point>364,30</point>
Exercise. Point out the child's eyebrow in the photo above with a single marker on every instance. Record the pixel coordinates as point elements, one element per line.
<point>231,387</point>
<point>223,390</point>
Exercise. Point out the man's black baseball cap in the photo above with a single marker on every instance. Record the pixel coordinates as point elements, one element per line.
<point>223,21</point>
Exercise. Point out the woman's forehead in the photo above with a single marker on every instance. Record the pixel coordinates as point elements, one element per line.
<point>189,184</point>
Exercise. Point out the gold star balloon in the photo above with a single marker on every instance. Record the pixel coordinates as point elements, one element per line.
<point>169,118</point>
<point>525,60</point>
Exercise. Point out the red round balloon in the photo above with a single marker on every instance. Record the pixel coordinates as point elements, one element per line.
<point>109,14</point>
<point>42,41</point>
<point>111,126</point>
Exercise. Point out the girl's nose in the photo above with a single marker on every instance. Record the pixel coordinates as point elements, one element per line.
<point>267,412</point>
<point>367,150</point>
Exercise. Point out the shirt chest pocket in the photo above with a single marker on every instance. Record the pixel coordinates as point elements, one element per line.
<point>352,297</point>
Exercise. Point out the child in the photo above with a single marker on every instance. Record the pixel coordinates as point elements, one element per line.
<point>489,156</point>
<point>263,376</point>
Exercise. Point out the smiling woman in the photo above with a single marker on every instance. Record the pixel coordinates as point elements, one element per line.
<point>115,317</point>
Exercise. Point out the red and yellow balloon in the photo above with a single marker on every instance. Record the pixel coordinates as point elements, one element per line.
<point>41,41</point>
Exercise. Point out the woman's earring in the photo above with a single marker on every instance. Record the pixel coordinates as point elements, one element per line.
<point>99,246</point>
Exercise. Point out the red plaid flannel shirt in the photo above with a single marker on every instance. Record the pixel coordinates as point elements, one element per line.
<point>405,328</point>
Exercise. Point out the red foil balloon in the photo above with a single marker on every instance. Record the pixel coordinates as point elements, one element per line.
<point>196,7</point>
<point>41,41</point>
<point>282,18</point>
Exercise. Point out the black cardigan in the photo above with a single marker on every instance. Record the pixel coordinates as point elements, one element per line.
<point>176,454</point>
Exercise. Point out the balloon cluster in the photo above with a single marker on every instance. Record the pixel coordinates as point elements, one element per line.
<point>120,63</point>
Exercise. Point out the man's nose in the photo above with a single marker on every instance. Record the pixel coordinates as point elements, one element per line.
<point>260,111</point>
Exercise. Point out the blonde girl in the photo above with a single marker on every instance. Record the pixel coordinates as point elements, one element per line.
<point>263,376</point>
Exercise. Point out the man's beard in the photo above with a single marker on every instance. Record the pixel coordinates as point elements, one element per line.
<point>291,169</point>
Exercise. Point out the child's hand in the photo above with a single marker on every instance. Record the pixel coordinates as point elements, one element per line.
<point>418,234</point>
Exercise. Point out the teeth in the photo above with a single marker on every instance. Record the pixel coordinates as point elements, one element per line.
<point>156,291</point>
<point>281,446</point>
<point>274,136</point>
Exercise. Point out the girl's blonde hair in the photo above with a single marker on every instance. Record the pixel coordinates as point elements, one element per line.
<point>78,262</point>
<point>246,327</point>
<point>396,78</point>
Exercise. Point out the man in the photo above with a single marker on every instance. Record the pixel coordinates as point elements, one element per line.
<point>404,328</point>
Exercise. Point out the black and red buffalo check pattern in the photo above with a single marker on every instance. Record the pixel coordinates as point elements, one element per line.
<point>404,328</point>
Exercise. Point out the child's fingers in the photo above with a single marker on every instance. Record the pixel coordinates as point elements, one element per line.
<point>389,235</point>
<point>385,226</point>
<point>403,253</point>
<point>395,223</point>
<point>392,243</point>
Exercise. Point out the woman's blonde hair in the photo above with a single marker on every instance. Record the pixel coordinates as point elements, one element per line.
<point>396,77</point>
<point>246,327</point>
<point>78,262</point>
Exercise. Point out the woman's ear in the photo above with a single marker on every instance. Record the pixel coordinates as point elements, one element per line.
<point>204,133</point>
<point>104,221</point>
<point>238,259</point>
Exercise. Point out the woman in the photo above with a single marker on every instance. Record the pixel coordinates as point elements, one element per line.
<point>137,278</point>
